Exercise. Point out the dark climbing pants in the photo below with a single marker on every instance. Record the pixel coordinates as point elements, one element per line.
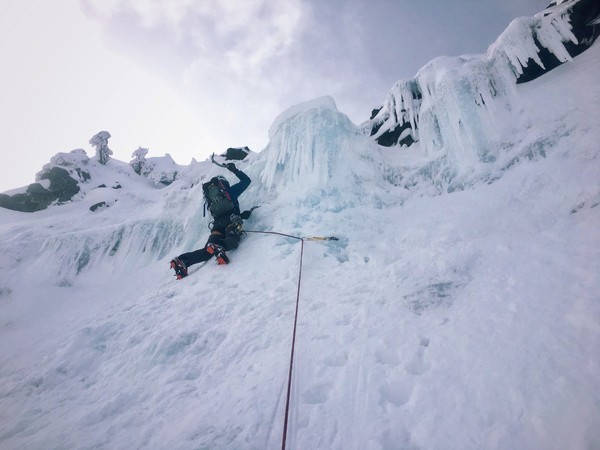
<point>229,242</point>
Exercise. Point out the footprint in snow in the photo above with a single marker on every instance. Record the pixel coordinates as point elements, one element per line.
<point>344,321</point>
<point>316,394</point>
<point>336,359</point>
<point>417,365</point>
<point>387,356</point>
<point>396,392</point>
<point>318,305</point>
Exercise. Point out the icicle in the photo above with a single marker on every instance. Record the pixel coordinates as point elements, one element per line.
<point>454,104</point>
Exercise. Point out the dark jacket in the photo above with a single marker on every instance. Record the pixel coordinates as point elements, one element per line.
<point>237,189</point>
<point>220,225</point>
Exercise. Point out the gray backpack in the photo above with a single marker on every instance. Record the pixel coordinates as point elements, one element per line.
<point>217,198</point>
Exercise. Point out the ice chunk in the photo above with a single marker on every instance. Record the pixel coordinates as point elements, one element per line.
<point>306,141</point>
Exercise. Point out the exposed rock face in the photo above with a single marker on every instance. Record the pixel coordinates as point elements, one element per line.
<point>58,181</point>
<point>69,174</point>
<point>236,153</point>
<point>61,188</point>
<point>583,14</point>
<point>400,135</point>
<point>61,184</point>
<point>98,205</point>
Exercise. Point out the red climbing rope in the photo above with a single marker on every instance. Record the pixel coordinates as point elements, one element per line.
<point>291,368</point>
<point>289,388</point>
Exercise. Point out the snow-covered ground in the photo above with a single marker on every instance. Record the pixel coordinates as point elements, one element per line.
<point>447,316</point>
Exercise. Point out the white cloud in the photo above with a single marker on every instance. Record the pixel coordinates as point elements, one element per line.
<point>233,58</point>
<point>243,35</point>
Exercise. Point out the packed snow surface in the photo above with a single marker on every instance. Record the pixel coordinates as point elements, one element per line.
<point>459,309</point>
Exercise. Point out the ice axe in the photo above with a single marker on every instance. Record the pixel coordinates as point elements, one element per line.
<point>212,158</point>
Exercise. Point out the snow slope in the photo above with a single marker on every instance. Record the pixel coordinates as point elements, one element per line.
<point>453,313</point>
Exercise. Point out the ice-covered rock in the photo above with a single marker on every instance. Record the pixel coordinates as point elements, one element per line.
<point>583,20</point>
<point>58,181</point>
<point>161,170</point>
<point>458,95</point>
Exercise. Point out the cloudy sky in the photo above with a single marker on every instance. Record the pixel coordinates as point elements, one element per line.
<point>192,77</point>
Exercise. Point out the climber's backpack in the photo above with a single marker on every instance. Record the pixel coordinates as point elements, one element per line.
<point>217,198</point>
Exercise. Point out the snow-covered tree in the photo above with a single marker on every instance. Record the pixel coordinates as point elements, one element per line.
<point>139,160</point>
<point>100,142</point>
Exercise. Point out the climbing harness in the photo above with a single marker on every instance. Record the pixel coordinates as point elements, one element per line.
<point>291,367</point>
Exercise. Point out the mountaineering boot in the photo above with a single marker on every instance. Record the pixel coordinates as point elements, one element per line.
<point>219,253</point>
<point>180,268</point>
<point>222,258</point>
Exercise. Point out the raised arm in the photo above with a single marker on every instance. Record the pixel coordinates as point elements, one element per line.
<point>237,189</point>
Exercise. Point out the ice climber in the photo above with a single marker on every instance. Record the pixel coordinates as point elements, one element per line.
<point>226,225</point>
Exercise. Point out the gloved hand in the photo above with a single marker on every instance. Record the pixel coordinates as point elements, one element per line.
<point>231,167</point>
<point>246,214</point>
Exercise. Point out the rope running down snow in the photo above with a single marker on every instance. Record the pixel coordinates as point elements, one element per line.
<point>289,387</point>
